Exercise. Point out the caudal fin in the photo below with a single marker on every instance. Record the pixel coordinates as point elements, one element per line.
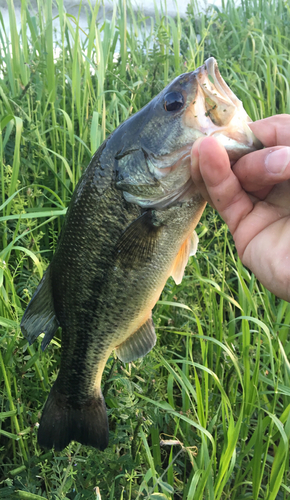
<point>63,422</point>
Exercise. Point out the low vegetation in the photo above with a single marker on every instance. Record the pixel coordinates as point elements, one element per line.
<point>206,415</point>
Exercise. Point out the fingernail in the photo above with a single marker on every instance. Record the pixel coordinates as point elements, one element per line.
<point>277,161</point>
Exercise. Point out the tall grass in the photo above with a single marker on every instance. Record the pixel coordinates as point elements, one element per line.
<point>206,415</point>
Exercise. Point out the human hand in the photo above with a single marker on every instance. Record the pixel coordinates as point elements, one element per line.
<point>253,198</point>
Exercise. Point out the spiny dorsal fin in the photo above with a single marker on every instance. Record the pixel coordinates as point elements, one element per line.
<point>138,344</point>
<point>39,316</point>
<point>138,242</point>
<point>187,249</point>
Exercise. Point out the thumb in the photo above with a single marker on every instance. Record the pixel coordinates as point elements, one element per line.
<point>211,171</point>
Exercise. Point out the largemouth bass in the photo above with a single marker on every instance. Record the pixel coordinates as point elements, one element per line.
<point>129,226</point>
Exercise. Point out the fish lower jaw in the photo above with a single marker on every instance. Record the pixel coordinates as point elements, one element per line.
<point>237,138</point>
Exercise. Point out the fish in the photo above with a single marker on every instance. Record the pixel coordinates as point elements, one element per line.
<point>130,225</point>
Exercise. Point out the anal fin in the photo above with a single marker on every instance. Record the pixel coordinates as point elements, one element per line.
<point>39,316</point>
<point>187,249</point>
<point>138,344</point>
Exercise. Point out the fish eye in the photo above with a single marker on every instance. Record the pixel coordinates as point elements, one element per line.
<point>173,101</point>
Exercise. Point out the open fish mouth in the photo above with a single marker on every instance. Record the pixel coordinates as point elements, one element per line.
<point>224,115</point>
<point>220,102</point>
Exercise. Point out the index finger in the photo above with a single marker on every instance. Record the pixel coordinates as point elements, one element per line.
<point>273,131</point>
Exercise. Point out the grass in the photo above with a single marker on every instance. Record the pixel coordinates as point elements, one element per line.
<point>206,415</point>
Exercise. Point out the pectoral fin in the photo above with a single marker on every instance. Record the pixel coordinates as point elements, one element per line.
<point>39,316</point>
<point>138,344</point>
<point>138,242</point>
<point>188,249</point>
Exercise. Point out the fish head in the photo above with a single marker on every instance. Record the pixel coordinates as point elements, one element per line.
<point>153,165</point>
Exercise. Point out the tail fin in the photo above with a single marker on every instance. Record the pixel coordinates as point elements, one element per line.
<point>63,422</point>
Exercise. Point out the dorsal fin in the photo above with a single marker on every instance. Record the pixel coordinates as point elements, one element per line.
<point>187,249</point>
<point>138,344</point>
<point>39,316</point>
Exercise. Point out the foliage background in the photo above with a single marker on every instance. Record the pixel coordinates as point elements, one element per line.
<point>206,415</point>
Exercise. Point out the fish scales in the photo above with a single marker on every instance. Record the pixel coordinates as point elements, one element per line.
<point>129,226</point>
